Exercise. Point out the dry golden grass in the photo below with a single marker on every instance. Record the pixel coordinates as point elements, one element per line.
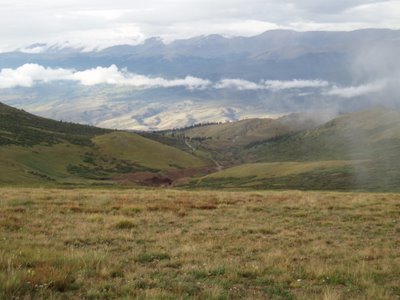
<point>168,244</point>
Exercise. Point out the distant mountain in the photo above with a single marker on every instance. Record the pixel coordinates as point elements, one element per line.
<point>276,54</point>
<point>350,70</point>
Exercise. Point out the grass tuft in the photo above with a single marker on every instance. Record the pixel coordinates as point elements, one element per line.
<point>125,224</point>
<point>152,257</point>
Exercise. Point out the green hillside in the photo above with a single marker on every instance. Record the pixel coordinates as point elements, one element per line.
<point>320,175</point>
<point>40,164</point>
<point>39,151</point>
<point>235,134</point>
<point>224,142</point>
<point>369,134</point>
<point>145,152</point>
<point>18,127</point>
<point>354,151</point>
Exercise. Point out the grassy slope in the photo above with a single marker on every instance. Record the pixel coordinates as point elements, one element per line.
<point>39,164</point>
<point>372,136</point>
<point>162,245</point>
<point>38,151</point>
<point>268,170</point>
<point>18,127</point>
<point>319,175</point>
<point>145,152</point>
<point>224,142</point>
<point>368,134</point>
<point>243,132</point>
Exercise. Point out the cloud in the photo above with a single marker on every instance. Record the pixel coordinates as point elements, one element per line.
<point>356,91</point>
<point>100,23</point>
<point>238,84</point>
<point>331,7</point>
<point>99,75</point>
<point>277,85</point>
<point>272,85</point>
<point>113,76</point>
<point>30,74</point>
<point>34,49</point>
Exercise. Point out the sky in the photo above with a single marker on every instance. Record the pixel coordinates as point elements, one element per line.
<point>92,24</point>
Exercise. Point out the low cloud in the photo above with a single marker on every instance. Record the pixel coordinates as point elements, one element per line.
<point>30,74</point>
<point>238,84</point>
<point>356,91</point>
<point>272,85</point>
<point>294,84</point>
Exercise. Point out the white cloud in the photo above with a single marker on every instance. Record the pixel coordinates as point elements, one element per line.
<point>99,75</point>
<point>29,74</point>
<point>113,76</point>
<point>277,85</point>
<point>356,91</point>
<point>272,85</point>
<point>238,84</point>
<point>34,49</point>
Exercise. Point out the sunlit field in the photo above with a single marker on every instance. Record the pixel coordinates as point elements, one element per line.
<point>169,244</point>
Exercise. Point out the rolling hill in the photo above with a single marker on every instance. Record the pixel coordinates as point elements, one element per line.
<point>36,151</point>
<point>224,142</point>
<point>354,151</point>
<point>359,150</point>
<point>367,134</point>
<point>240,133</point>
<point>18,127</point>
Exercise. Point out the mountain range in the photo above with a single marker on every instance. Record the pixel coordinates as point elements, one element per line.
<point>158,86</point>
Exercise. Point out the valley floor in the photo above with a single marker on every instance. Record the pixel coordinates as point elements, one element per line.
<point>168,244</point>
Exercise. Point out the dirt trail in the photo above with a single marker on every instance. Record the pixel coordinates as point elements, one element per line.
<point>190,146</point>
<point>216,163</point>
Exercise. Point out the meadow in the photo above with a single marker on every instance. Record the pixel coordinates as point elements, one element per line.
<point>174,244</point>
